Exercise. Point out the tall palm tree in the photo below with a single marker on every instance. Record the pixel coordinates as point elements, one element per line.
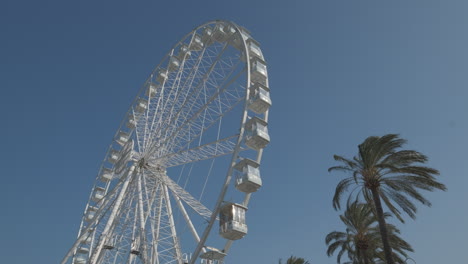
<point>295,260</point>
<point>362,241</point>
<point>384,172</point>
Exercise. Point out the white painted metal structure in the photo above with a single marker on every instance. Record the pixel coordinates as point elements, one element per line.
<point>169,170</point>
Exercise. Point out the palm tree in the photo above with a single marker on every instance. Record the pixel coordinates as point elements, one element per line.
<point>382,171</point>
<point>362,241</point>
<point>295,260</point>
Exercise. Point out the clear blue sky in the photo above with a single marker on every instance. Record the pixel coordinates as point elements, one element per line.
<point>339,71</point>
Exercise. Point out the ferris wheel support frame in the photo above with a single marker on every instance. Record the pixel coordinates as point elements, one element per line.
<point>165,134</point>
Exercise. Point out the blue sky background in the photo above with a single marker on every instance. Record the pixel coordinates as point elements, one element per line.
<point>339,71</point>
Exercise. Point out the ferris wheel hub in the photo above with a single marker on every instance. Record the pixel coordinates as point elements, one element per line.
<point>143,164</point>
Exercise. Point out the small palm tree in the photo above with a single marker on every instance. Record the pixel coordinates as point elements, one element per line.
<point>384,172</point>
<point>295,260</point>
<point>362,241</point>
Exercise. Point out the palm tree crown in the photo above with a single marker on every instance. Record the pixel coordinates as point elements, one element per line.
<point>382,171</point>
<point>362,241</point>
<point>381,165</point>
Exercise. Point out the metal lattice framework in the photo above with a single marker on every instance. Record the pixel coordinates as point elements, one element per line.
<point>152,197</point>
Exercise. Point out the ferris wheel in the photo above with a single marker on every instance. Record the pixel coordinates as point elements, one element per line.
<point>185,159</point>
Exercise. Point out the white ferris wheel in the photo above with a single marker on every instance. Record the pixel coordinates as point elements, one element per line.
<point>185,159</point>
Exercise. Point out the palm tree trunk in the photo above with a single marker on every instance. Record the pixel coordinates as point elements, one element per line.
<point>382,226</point>
<point>366,259</point>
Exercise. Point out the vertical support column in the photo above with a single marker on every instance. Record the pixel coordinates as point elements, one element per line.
<point>158,227</point>
<point>187,219</point>
<point>151,249</point>
<point>171,222</point>
<point>144,255</point>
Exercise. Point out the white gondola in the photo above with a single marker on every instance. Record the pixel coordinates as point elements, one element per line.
<point>229,30</point>
<point>81,256</point>
<point>135,247</point>
<point>212,254</point>
<point>114,156</point>
<point>87,239</point>
<point>256,133</point>
<point>232,224</point>
<point>152,90</point>
<point>141,105</point>
<point>122,138</point>
<point>196,43</point>
<point>184,52</point>
<point>109,244</point>
<point>131,122</point>
<point>248,178</point>
<point>174,64</point>
<point>91,213</point>
<point>207,36</point>
<point>259,98</point>
<point>238,40</point>
<point>254,49</point>
<point>258,70</point>
<point>98,194</point>
<point>219,34</point>
<point>106,175</point>
<point>162,76</point>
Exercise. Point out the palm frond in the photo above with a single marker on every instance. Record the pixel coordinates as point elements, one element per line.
<point>391,207</point>
<point>340,189</point>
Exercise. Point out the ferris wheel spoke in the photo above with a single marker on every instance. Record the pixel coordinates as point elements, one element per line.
<point>166,111</point>
<point>120,237</point>
<point>211,150</point>
<point>155,221</point>
<point>150,195</point>
<point>138,135</point>
<point>180,192</point>
<point>141,216</point>
<point>178,253</point>
<point>165,244</point>
<point>187,219</point>
<point>159,224</point>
